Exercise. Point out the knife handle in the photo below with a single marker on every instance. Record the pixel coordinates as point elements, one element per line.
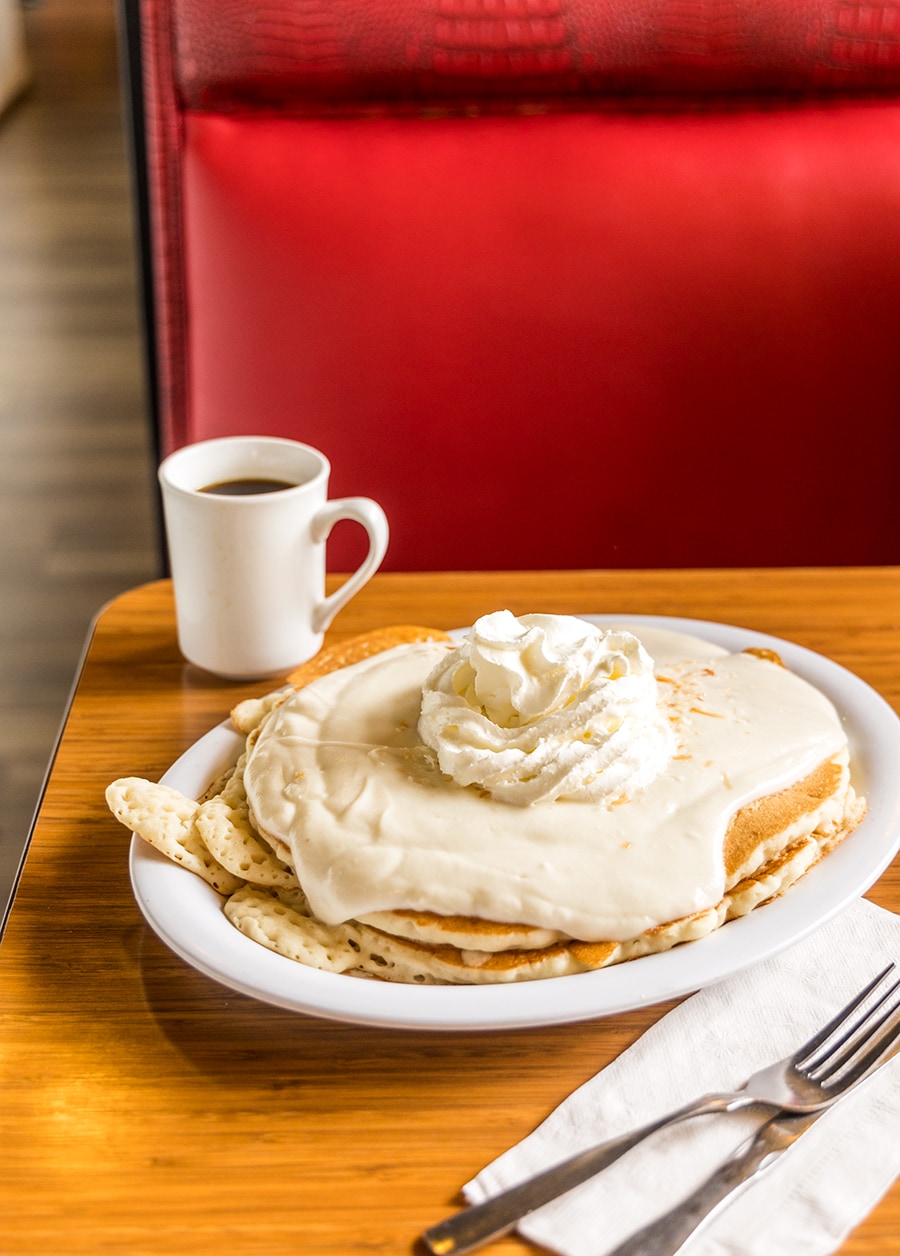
<point>668,1234</point>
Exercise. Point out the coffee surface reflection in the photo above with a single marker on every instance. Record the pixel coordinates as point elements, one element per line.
<point>247,488</point>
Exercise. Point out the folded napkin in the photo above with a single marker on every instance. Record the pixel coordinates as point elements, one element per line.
<point>823,1187</point>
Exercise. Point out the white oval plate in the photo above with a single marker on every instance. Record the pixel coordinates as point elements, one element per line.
<point>187,914</point>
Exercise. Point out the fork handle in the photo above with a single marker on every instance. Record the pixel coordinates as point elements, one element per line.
<point>480,1223</point>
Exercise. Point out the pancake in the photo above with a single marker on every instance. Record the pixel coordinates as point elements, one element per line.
<point>339,840</point>
<point>425,948</point>
<point>769,842</point>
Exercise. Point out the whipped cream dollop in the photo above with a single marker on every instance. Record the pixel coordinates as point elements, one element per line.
<point>546,707</point>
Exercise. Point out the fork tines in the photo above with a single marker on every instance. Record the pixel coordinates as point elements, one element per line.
<point>846,1057</point>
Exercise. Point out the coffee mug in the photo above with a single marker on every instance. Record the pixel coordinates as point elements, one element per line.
<point>247,518</point>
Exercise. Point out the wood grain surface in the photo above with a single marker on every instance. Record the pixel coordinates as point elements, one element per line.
<point>146,1109</point>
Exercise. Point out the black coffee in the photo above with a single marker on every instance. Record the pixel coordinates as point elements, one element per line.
<point>247,488</point>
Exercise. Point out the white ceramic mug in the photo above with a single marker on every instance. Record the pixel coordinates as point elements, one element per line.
<point>249,569</point>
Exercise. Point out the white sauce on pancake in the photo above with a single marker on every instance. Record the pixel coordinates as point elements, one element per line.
<point>340,775</point>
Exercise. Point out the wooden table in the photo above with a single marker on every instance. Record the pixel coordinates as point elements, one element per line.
<point>146,1109</point>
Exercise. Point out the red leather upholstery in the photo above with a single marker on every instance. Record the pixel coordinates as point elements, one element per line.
<point>560,283</point>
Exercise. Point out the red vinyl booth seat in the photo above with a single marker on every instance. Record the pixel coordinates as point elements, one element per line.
<point>559,283</point>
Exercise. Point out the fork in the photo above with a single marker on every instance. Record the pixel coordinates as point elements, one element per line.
<point>843,1052</point>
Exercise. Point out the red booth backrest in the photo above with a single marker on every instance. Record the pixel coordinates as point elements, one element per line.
<point>560,283</point>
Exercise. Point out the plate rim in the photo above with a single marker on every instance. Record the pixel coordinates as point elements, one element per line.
<point>224,954</point>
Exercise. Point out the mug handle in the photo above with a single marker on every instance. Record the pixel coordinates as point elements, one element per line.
<point>362,510</point>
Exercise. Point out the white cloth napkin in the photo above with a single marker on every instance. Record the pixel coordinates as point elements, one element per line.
<point>825,1184</point>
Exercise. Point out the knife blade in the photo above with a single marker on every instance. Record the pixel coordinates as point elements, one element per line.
<point>667,1235</point>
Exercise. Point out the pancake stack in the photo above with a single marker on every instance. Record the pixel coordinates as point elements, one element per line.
<point>281,895</point>
<point>427,948</point>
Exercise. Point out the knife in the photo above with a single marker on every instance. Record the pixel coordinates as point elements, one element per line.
<point>668,1234</point>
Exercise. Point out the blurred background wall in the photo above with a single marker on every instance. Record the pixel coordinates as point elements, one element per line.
<point>77,506</point>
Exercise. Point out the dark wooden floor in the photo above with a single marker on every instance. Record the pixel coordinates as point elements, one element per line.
<point>77,506</point>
